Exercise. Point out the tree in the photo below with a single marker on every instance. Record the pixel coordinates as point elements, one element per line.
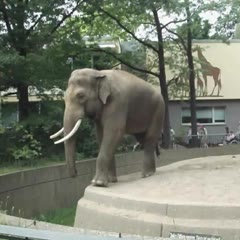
<point>27,27</point>
<point>191,74</point>
<point>228,17</point>
<point>132,15</point>
<point>200,28</point>
<point>192,27</point>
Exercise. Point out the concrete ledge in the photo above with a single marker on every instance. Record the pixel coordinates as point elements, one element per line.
<point>194,196</point>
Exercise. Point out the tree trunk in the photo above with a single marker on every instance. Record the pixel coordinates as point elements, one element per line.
<point>22,92</point>
<point>162,80</point>
<point>23,103</point>
<point>191,80</point>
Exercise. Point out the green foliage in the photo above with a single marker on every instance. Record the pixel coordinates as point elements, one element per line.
<point>87,144</point>
<point>229,16</point>
<point>19,145</point>
<point>200,28</point>
<point>126,144</point>
<point>28,142</point>
<point>63,216</point>
<point>35,44</point>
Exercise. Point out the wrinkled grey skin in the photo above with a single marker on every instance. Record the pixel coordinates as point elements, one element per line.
<point>119,103</point>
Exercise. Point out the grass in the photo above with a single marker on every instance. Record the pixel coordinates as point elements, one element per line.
<point>10,167</point>
<point>7,167</point>
<point>63,216</point>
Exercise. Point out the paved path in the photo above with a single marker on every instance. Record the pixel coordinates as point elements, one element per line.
<point>214,180</point>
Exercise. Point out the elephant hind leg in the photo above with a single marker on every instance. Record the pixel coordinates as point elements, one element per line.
<point>157,150</point>
<point>112,174</point>
<point>148,167</point>
<point>151,139</point>
<point>149,147</point>
<point>149,161</point>
<point>140,138</point>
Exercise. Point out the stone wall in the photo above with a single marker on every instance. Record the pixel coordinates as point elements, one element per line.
<point>29,193</point>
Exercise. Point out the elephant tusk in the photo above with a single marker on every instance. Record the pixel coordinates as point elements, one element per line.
<point>71,133</point>
<point>57,133</point>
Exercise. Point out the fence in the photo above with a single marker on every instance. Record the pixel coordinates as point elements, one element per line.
<point>210,140</point>
<point>17,233</point>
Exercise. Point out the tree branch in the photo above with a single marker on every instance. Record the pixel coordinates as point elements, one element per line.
<point>65,16</point>
<point>174,21</point>
<point>172,81</point>
<point>6,20</point>
<point>35,24</point>
<point>128,31</point>
<point>179,37</point>
<point>125,62</point>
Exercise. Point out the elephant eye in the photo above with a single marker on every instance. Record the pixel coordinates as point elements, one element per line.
<point>80,96</point>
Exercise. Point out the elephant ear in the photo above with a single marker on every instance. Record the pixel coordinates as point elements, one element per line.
<point>104,88</point>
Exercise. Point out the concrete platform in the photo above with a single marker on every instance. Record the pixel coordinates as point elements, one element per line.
<point>194,197</point>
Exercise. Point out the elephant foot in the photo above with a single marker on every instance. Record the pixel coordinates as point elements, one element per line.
<point>148,174</point>
<point>100,181</point>
<point>112,179</point>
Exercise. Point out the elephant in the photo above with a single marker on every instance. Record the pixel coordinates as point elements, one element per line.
<point>119,103</point>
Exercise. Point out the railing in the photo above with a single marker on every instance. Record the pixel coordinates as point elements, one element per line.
<point>210,140</point>
<point>17,233</point>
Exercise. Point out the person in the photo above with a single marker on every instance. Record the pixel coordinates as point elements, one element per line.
<point>238,131</point>
<point>189,135</point>
<point>231,136</point>
<point>172,137</point>
<point>203,136</point>
<point>135,146</point>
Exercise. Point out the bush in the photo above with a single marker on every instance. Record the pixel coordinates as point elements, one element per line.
<point>29,141</point>
<point>19,145</point>
<point>87,144</point>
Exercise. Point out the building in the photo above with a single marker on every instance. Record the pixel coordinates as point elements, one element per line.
<point>217,84</point>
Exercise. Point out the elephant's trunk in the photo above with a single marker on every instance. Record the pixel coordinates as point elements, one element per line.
<point>71,124</point>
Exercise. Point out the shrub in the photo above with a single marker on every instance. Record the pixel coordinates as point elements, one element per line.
<point>86,142</point>
<point>18,144</point>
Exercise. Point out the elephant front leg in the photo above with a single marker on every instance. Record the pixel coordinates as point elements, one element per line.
<point>105,165</point>
<point>111,175</point>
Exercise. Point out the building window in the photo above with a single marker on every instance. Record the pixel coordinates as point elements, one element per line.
<point>206,115</point>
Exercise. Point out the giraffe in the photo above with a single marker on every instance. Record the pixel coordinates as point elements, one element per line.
<point>209,70</point>
<point>200,85</point>
<point>177,86</point>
